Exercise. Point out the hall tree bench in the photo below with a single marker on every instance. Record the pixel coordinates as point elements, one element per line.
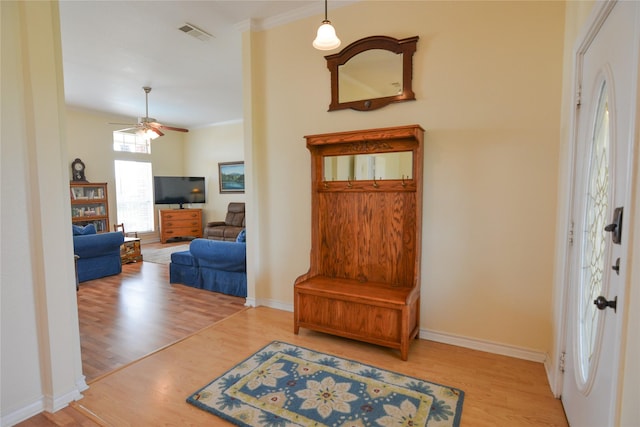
<point>363,281</point>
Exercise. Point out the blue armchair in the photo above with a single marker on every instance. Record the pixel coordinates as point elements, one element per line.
<point>99,254</point>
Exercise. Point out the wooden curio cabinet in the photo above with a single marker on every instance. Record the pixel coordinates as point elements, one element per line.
<point>90,205</point>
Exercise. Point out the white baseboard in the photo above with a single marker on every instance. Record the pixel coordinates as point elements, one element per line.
<point>273,304</point>
<point>81,384</point>
<point>53,404</point>
<point>446,338</point>
<point>483,345</point>
<point>457,340</point>
<point>23,413</point>
<point>43,403</point>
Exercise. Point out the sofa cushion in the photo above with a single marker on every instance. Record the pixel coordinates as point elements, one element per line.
<point>221,255</point>
<point>79,230</point>
<point>183,258</point>
<point>242,236</point>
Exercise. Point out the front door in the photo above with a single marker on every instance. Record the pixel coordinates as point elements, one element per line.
<point>607,64</point>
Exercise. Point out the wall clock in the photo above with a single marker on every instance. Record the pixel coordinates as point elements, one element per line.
<point>77,170</point>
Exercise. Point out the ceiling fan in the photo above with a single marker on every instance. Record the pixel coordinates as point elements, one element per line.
<point>148,126</point>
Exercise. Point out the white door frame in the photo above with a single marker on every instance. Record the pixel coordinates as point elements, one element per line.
<point>561,289</point>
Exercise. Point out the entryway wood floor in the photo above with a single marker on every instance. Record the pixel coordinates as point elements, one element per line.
<point>500,391</point>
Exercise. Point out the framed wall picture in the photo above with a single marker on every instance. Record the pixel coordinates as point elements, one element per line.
<point>231,177</point>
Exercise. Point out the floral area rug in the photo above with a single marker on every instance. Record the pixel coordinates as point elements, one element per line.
<point>285,385</point>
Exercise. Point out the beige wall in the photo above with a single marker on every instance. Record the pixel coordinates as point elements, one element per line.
<point>90,138</point>
<point>204,149</point>
<point>488,80</point>
<point>196,153</point>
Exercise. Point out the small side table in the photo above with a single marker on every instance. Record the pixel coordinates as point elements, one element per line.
<point>130,250</point>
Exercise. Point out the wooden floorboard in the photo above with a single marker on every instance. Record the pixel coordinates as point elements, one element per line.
<point>129,315</point>
<point>500,391</point>
<point>125,317</point>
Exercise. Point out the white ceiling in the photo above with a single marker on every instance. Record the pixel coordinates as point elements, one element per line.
<point>111,49</point>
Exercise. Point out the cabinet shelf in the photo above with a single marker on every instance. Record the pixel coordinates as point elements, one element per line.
<point>88,201</point>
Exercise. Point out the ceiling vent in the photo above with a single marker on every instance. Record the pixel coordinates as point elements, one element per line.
<point>196,32</point>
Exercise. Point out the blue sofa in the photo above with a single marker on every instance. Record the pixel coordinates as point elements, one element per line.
<point>99,254</point>
<point>214,265</point>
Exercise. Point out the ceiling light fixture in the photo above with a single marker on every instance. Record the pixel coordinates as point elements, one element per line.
<point>326,39</point>
<point>152,133</point>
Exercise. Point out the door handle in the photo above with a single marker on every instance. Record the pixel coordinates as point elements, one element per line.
<point>616,267</point>
<point>615,228</point>
<point>602,303</point>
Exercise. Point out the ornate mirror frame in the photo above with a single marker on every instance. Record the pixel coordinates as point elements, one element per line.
<point>406,47</point>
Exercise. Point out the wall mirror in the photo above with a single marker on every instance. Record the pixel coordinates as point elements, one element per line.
<point>378,166</point>
<point>371,73</point>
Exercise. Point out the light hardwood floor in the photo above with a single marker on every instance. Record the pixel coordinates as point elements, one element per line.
<point>127,316</point>
<point>500,391</point>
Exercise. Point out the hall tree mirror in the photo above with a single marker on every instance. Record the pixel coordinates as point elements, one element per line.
<point>378,166</point>
<point>372,72</point>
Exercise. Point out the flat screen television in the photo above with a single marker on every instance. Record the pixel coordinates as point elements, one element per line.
<point>178,190</point>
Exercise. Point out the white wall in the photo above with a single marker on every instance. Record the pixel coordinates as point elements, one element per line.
<point>488,82</point>
<point>40,346</point>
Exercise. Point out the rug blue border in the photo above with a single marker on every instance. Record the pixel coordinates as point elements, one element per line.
<point>192,401</point>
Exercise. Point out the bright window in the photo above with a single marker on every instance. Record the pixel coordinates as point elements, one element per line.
<point>131,142</point>
<point>134,195</point>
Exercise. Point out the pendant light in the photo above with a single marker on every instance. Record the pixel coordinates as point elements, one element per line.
<point>326,38</point>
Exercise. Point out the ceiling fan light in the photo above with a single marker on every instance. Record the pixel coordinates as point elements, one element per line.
<point>152,133</point>
<point>326,38</point>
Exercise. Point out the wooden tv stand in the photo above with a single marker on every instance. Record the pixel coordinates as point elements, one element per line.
<point>364,276</point>
<point>176,223</point>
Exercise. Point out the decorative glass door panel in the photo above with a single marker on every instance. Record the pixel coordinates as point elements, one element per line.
<point>594,244</point>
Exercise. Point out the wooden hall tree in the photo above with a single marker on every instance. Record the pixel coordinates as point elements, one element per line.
<point>364,276</point>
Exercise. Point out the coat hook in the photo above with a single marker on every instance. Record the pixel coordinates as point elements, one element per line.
<point>404,184</point>
<point>349,185</point>
<point>375,184</point>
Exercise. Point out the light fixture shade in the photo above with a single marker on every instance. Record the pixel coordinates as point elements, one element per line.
<point>326,38</point>
<point>152,133</point>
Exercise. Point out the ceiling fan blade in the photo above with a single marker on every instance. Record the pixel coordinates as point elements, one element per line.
<point>173,128</point>
<point>147,125</point>
<point>136,128</point>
